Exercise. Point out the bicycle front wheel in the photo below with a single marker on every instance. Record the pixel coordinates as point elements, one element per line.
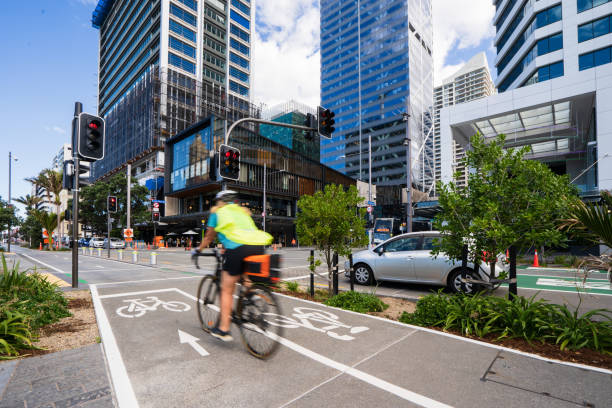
<point>258,335</point>
<point>208,303</point>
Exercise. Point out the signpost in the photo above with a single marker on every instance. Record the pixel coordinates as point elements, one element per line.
<point>370,208</point>
<point>128,233</point>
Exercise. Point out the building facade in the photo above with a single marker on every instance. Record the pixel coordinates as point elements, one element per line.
<point>292,112</point>
<point>472,81</point>
<point>164,65</point>
<point>376,64</point>
<point>555,89</point>
<point>191,178</point>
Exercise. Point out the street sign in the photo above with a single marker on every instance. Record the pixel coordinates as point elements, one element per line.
<point>371,203</point>
<point>155,209</point>
<point>158,201</point>
<point>156,204</point>
<point>128,233</point>
<point>370,208</point>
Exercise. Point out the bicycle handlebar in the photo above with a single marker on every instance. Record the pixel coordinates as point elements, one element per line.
<point>215,252</point>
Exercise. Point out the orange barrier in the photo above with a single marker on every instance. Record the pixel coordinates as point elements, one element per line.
<point>40,247</point>
<point>536,263</point>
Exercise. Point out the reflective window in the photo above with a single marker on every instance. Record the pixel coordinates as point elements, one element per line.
<point>595,28</point>
<point>550,44</point>
<point>594,58</point>
<point>240,20</point>
<point>241,6</point>
<point>236,59</point>
<point>239,33</point>
<point>403,244</point>
<point>589,4</point>
<point>183,15</point>
<point>192,4</point>
<point>236,73</point>
<point>182,31</point>
<point>190,160</point>
<point>181,63</point>
<point>182,47</point>
<point>429,243</point>
<point>235,87</point>
<point>237,45</point>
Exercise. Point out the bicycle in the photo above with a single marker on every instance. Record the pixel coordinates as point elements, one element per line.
<point>253,304</point>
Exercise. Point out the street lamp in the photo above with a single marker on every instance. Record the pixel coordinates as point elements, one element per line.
<point>265,177</point>
<point>11,158</point>
<point>407,143</point>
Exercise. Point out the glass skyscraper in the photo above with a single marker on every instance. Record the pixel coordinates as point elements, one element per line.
<point>376,63</point>
<point>164,65</point>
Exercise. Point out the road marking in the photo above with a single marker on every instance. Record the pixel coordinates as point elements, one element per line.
<point>192,341</point>
<point>370,379</point>
<point>123,387</point>
<point>98,266</point>
<point>604,284</point>
<point>295,267</point>
<point>143,292</point>
<point>54,279</point>
<point>454,336</point>
<point>44,264</point>
<point>145,280</point>
<point>297,278</point>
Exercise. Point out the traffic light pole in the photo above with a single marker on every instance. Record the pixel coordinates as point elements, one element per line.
<point>78,108</point>
<point>265,122</point>
<point>108,231</point>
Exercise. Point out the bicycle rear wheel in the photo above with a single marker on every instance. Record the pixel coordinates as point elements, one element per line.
<point>208,303</point>
<point>259,336</point>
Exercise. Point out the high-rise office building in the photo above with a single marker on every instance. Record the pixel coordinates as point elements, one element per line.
<point>472,81</point>
<point>376,64</point>
<point>554,64</point>
<point>165,64</point>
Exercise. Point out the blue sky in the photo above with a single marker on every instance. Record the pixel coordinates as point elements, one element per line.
<point>50,55</point>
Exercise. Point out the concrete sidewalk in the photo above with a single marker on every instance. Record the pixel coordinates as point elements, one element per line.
<point>71,378</point>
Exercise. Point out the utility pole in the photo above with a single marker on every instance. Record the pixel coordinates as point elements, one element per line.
<point>128,202</point>
<point>408,143</point>
<point>9,201</point>
<point>264,197</point>
<point>78,108</point>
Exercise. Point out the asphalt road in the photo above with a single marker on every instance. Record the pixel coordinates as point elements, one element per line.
<point>328,357</point>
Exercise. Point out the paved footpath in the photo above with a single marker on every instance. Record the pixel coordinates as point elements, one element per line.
<point>329,357</point>
<point>72,378</point>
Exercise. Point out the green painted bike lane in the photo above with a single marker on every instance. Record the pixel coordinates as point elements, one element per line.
<point>564,284</point>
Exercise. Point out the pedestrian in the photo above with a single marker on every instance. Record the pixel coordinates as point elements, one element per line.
<point>293,242</point>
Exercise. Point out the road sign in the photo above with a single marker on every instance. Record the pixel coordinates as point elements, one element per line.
<point>371,203</point>
<point>155,209</point>
<point>158,201</point>
<point>128,233</point>
<point>155,204</point>
<point>370,208</point>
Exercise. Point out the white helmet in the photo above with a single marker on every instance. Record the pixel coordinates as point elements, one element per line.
<point>226,196</point>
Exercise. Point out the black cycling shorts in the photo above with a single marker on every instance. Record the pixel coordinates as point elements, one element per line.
<point>234,258</point>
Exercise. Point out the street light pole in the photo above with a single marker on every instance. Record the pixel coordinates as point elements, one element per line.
<point>407,143</point>
<point>9,200</point>
<point>264,197</point>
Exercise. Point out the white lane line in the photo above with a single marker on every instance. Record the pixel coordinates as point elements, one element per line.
<point>98,266</point>
<point>123,387</point>
<point>44,264</point>
<point>295,267</point>
<point>370,379</point>
<point>563,291</point>
<point>455,337</point>
<point>297,278</point>
<point>142,292</point>
<point>146,280</point>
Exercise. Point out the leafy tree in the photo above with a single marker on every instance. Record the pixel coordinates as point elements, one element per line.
<point>51,183</point>
<point>31,228</point>
<point>48,221</point>
<point>508,202</point>
<point>30,202</point>
<point>7,215</point>
<point>92,208</point>
<point>330,221</point>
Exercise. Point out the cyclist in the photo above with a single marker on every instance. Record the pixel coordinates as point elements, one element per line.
<point>238,234</point>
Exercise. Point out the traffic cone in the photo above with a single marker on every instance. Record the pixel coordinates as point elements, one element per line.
<point>536,263</point>
<point>148,247</point>
<point>40,247</point>
<point>135,244</point>
<point>507,256</point>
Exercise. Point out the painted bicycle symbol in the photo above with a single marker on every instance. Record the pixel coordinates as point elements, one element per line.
<point>138,307</point>
<point>305,317</point>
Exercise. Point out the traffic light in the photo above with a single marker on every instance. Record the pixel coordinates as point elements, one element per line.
<point>311,122</point>
<point>68,175</point>
<point>112,204</point>
<point>326,122</point>
<point>90,137</point>
<point>229,162</point>
<point>156,217</point>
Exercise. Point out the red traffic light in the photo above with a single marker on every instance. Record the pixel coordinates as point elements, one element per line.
<point>228,154</point>
<point>93,125</point>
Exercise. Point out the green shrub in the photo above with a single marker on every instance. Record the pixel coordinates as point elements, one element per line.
<point>28,302</point>
<point>560,260</point>
<point>357,302</point>
<point>528,319</point>
<point>292,286</point>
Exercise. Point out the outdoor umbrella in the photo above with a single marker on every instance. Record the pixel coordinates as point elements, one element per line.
<point>190,232</point>
<point>171,234</point>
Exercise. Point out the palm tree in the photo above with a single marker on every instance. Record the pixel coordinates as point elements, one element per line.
<point>51,182</point>
<point>47,220</point>
<point>31,202</point>
<point>593,221</point>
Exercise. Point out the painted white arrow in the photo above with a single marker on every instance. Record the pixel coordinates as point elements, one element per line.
<point>192,341</point>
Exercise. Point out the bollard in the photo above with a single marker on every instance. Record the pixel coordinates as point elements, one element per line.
<point>90,251</point>
<point>352,272</point>
<point>99,251</point>
<point>120,255</point>
<point>311,273</point>
<point>135,256</point>
<point>335,277</point>
<point>84,251</point>
<point>153,258</point>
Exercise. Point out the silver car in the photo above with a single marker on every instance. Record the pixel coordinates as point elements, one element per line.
<point>115,243</point>
<point>407,258</point>
<point>96,242</point>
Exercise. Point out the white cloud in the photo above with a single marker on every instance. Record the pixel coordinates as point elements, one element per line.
<point>56,129</point>
<point>459,25</point>
<point>286,57</point>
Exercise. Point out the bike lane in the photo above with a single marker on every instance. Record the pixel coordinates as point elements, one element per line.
<point>328,357</point>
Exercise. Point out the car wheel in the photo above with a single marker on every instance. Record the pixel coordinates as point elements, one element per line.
<point>454,282</point>
<point>363,274</point>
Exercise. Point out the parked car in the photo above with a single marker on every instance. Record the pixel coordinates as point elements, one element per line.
<point>96,242</point>
<point>407,258</point>
<point>83,242</point>
<point>115,243</point>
